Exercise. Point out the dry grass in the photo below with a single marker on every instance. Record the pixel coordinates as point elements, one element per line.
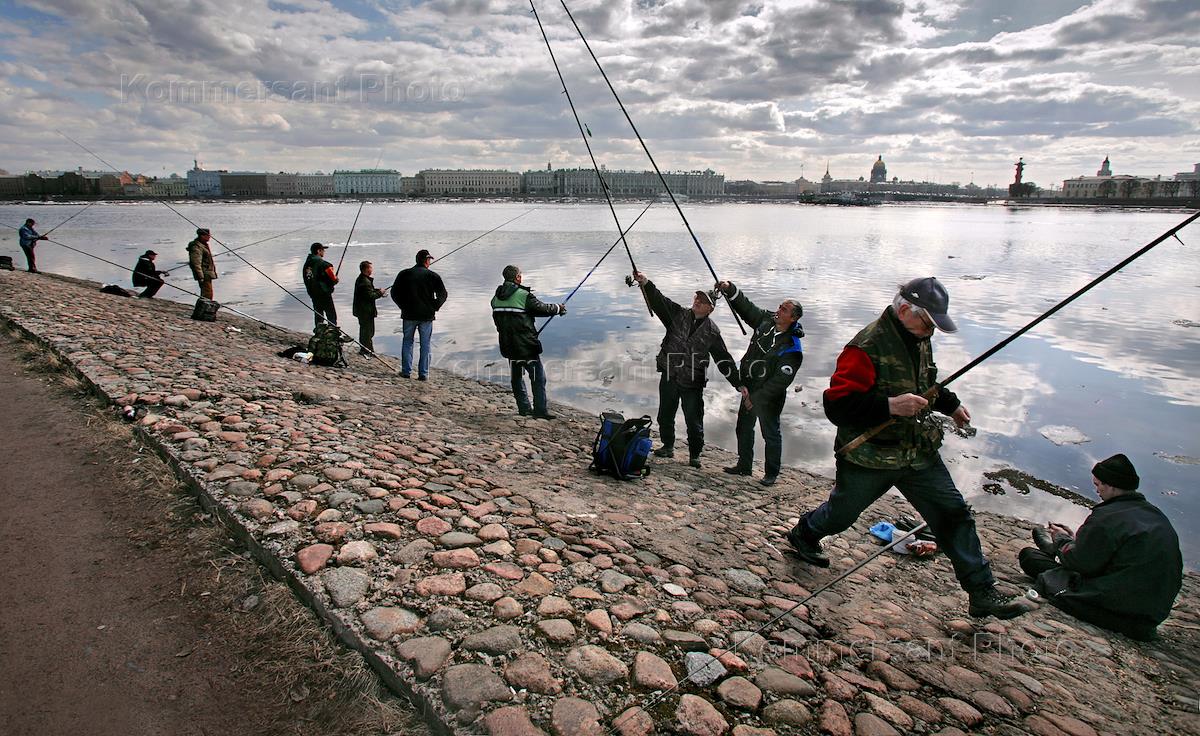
<point>311,684</point>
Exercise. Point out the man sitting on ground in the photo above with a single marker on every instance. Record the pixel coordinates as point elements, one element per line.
<point>1122,569</point>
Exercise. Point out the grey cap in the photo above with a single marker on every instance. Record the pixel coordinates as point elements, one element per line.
<point>929,294</point>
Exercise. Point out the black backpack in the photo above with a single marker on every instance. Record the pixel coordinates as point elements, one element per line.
<point>326,345</point>
<point>622,446</point>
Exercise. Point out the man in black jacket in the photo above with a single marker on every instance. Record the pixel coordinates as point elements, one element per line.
<point>513,308</point>
<point>1122,569</point>
<point>319,280</point>
<point>419,293</point>
<point>146,275</point>
<point>767,369</point>
<point>683,362</point>
<point>364,307</point>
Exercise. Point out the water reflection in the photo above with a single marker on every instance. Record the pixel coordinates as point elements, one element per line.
<point>1117,364</point>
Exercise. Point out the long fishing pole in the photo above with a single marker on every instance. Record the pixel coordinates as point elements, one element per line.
<point>164,283</point>
<point>653,163</point>
<point>72,217</point>
<point>932,392</point>
<point>589,273</point>
<point>239,256</point>
<point>592,156</point>
<point>691,675</point>
<point>353,225</point>
<point>181,264</point>
<point>480,237</point>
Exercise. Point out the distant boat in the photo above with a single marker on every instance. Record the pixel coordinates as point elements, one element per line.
<point>847,199</point>
<point>665,197</point>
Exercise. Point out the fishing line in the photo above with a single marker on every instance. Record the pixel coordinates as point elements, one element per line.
<point>932,392</point>
<point>353,225</point>
<point>661,178</point>
<point>256,242</point>
<point>592,156</point>
<point>480,237</point>
<point>239,256</point>
<point>589,273</point>
<point>716,660</point>
<point>72,217</point>
<point>162,281</point>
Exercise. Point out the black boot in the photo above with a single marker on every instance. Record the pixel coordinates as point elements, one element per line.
<point>991,602</point>
<point>808,551</point>
<point>737,470</point>
<point>665,451</point>
<point>1045,542</point>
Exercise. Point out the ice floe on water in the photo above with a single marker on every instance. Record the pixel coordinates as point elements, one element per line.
<point>1061,435</point>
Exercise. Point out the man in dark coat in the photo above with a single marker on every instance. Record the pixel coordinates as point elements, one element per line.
<point>364,307</point>
<point>513,308</point>
<point>881,376</point>
<point>767,369</point>
<point>200,260</point>
<point>419,293</point>
<point>146,275</point>
<point>1122,569</point>
<point>319,281</point>
<point>683,362</point>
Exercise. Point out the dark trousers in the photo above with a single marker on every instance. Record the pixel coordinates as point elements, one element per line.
<point>537,381</point>
<point>1034,562</point>
<point>670,396</point>
<point>323,308</point>
<point>30,258</point>
<point>767,417</point>
<point>206,288</point>
<point>150,290</point>
<point>932,493</point>
<point>366,334</point>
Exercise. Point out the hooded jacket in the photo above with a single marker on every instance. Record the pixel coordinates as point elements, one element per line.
<point>773,358</point>
<point>200,259</point>
<point>513,308</point>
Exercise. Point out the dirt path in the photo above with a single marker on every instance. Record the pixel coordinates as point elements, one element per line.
<point>126,611</point>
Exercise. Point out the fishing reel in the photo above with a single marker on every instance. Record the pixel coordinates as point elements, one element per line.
<point>630,282</point>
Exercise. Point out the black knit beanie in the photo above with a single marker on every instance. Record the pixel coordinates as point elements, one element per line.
<point>1117,472</point>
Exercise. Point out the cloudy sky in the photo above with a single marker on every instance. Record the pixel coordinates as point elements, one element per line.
<point>945,90</point>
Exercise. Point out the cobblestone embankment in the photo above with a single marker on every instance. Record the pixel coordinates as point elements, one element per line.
<point>478,566</point>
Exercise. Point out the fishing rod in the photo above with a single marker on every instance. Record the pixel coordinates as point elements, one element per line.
<point>589,273</point>
<point>72,217</point>
<point>480,237</point>
<point>164,282</point>
<point>353,225</point>
<point>691,675</point>
<point>181,264</point>
<point>592,156</point>
<point>931,394</point>
<point>661,178</point>
<point>239,256</point>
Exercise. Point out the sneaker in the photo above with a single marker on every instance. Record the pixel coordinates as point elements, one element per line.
<point>810,552</point>
<point>543,415</point>
<point>665,451</point>
<point>991,602</point>
<point>1045,541</point>
<point>406,375</point>
<point>736,470</point>
<point>694,461</point>
<point>769,480</point>
<point>422,378</point>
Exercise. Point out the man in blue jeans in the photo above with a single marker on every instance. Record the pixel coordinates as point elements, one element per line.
<point>513,308</point>
<point>419,293</point>
<point>881,376</point>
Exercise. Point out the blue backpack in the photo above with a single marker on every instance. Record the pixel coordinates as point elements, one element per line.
<point>622,446</point>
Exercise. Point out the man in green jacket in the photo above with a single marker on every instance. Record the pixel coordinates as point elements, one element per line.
<point>200,260</point>
<point>883,375</point>
<point>513,308</point>
<point>767,369</point>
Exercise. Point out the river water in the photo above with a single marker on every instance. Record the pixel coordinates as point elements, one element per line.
<point>1114,372</point>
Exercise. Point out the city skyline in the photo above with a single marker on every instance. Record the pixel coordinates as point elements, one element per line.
<point>945,91</point>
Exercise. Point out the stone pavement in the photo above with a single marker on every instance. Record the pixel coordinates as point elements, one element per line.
<point>481,569</point>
